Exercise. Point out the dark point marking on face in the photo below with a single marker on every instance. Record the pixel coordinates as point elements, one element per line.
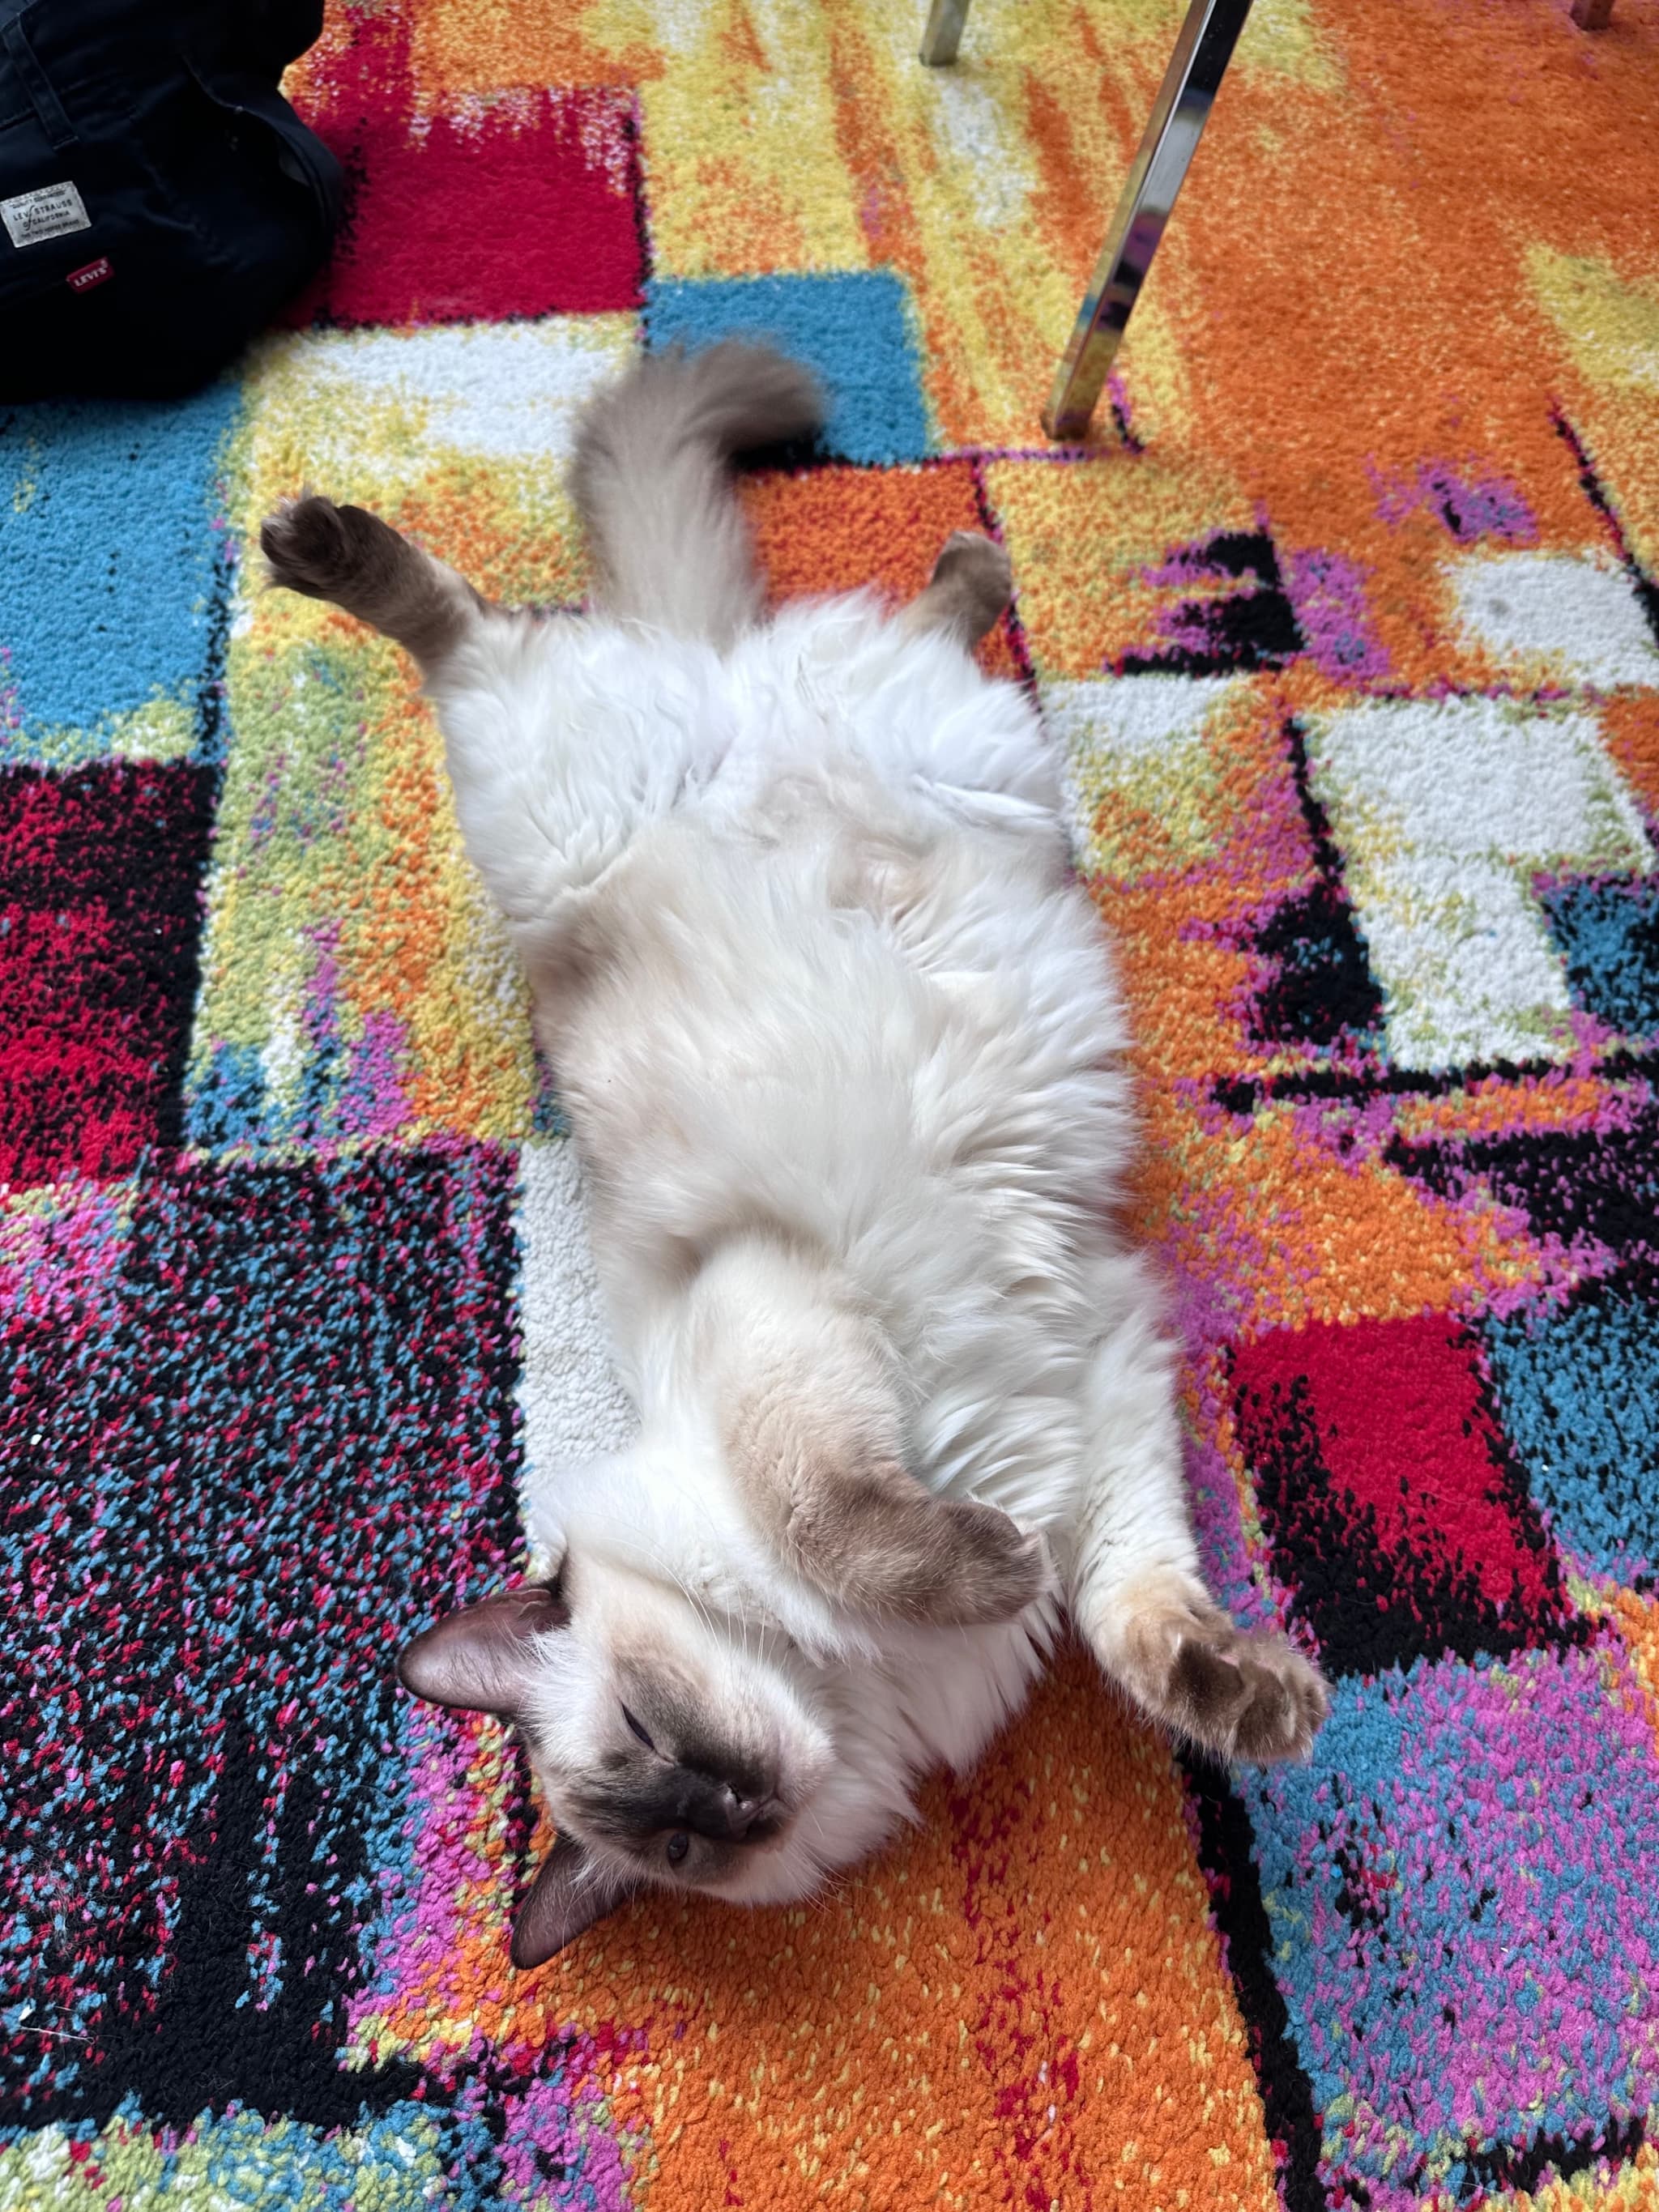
<point>645,1805</point>
<point>670,1716</point>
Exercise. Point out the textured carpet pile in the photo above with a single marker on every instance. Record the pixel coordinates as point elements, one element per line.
<point>1347,631</point>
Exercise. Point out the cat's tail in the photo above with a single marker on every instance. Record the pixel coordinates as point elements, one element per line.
<point>650,479</point>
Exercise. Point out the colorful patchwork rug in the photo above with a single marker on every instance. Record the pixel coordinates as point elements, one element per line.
<point>1347,631</point>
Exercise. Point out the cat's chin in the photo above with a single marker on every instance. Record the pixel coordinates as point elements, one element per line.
<point>781,1873</point>
<point>839,1824</point>
<point>778,1873</point>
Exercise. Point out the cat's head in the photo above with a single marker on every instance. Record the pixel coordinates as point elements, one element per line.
<point>678,1743</point>
<point>673,1748</point>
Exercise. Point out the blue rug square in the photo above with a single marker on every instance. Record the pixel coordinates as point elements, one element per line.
<point>853,327</point>
<point>1577,1390</point>
<point>113,576</point>
<point>1608,933</point>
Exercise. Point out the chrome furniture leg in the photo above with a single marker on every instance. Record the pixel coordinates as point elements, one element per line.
<point>1171,139</point>
<point>943,36</point>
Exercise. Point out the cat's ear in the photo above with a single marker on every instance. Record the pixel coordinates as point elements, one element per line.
<point>567,1896</point>
<point>480,1659</point>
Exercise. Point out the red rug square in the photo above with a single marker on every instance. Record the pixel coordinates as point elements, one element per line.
<point>100,915</point>
<point>522,205</point>
<point>1397,1515</point>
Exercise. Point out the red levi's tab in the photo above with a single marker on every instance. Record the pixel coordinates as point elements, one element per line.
<point>90,273</point>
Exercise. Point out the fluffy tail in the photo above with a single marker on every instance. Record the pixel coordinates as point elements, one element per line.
<point>669,542</point>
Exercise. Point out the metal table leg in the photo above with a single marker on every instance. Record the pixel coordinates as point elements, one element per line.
<point>1184,101</point>
<point>943,36</point>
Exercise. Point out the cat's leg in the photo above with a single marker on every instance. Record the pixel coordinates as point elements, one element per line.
<point>551,780</point>
<point>347,556</point>
<point>973,582</point>
<point>1135,1588</point>
<point>962,730</point>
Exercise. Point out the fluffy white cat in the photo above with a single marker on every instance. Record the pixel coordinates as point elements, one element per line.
<point>840,1044</point>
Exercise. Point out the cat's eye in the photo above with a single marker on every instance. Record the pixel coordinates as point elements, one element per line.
<point>678,1844</point>
<point>638,1728</point>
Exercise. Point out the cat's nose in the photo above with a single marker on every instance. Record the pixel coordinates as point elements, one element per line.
<point>749,1818</point>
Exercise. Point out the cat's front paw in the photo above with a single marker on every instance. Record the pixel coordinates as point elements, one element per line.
<point>1239,1694</point>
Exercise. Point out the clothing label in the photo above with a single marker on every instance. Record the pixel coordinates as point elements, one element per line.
<point>33,217</point>
<point>94,272</point>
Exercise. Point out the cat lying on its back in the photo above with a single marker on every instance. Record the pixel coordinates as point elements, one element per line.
<point>840,1047</point>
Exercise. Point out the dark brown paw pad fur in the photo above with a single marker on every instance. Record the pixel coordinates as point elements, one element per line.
<point>314,547</point>
<point>1251,1697</point>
